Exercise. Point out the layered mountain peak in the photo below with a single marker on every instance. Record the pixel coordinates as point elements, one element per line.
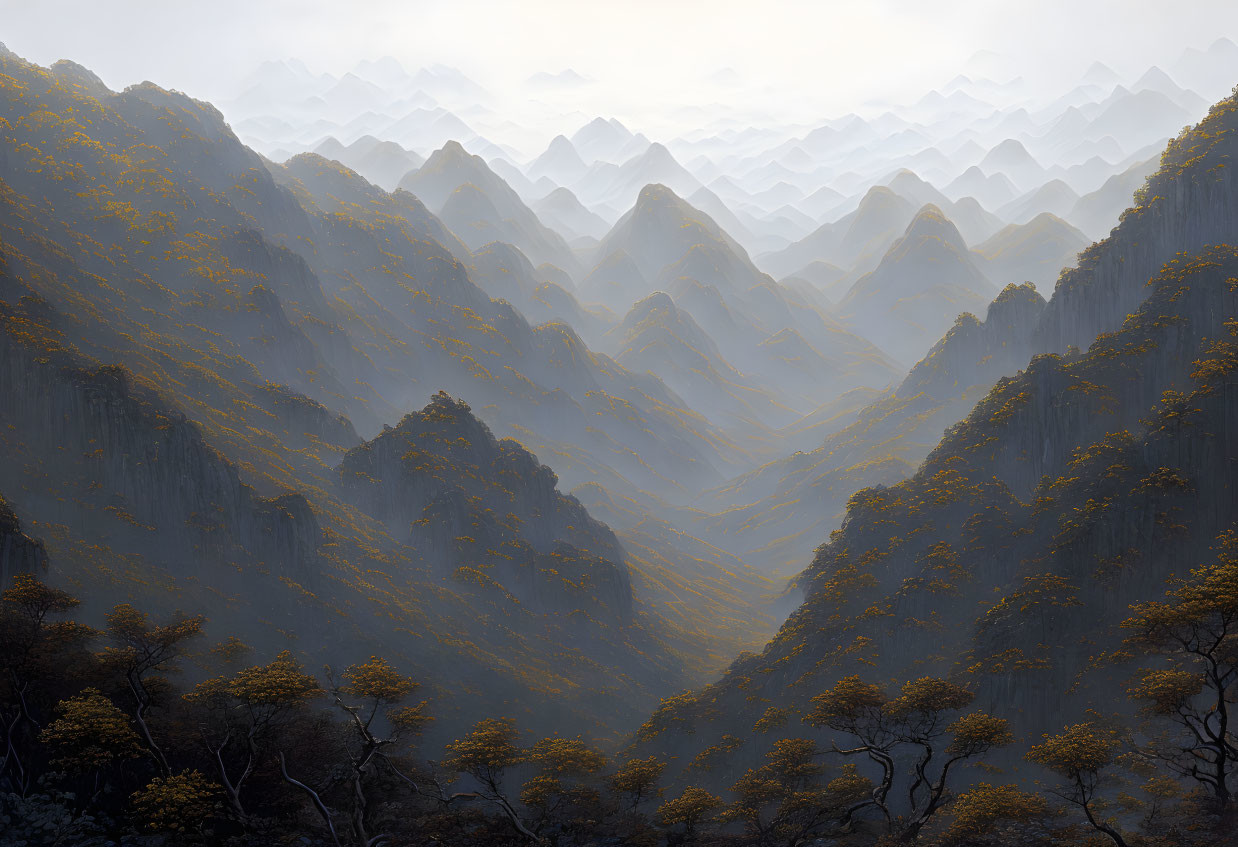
<point>1015,305</point>
<point>931,222</point>
<point>659,336</point>
<point>661,228</point>
<point>480,207</point>
<point>1009,153</point>
<point>603,139</point>
<point>655,164</point>
<point>443,481</point>
<point>876,199</point>
<point>1098,73</point>
<point>658,154</point>
<point>560,162</point>
<point>655,197</point>
<point>1036,251</point>
<point>925,280</point>
<point>450,165</point>
<point>561,146</point>
<point>658,301</point>
<point>881,208</point>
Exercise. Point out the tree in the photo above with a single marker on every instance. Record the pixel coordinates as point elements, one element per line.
<point>1080,754</point>
<point>89,736</point>
<point>486,754</point>
<point>688,810</point>
<point>141,653</point>
<point>368,692</point>
<point>860,709</point>
<point>921,710</point>
<point>35,653</point>
<point>1195,631</point>
<point>558,793</point>
<point>981,811</point>
<point>180,803</point>
<point>638,779</point>
<point>244,717</point>
<point>783,802</point>
<point>920,718</point>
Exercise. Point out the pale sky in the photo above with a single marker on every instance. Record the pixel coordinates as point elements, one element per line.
<point>820,57</point>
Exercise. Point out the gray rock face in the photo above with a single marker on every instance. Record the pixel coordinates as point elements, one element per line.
<point>19,553</point>
<point>153,481</point>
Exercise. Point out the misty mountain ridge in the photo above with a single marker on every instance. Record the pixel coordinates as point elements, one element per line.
<point>669,467</point>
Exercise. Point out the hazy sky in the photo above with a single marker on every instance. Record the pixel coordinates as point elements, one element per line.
<point>813,55</point>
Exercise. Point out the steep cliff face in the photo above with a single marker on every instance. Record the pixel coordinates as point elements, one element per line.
<point>513,591</point>
<point>19,553</point>
<point>1189,203</point>
<point>89,448</point>
<point>1072,490</point>
<point>1011,557</point>
<point>484,509</point>
<point>1186,205</point>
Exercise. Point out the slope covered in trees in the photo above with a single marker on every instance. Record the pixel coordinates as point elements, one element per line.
<point>193,339</point>
<point>1023,568</point>
<point>200,354</point>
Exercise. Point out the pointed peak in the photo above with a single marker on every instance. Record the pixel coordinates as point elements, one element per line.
<point>656,300</point>
<point>931,222</point>
<point>560,195</point>
<point>1099,72</point>
<point>878,195</point>
<point>929,212</point>
<point>905,176</point>
<point>76,74</point>
<point>657,150</point>
<point>657,194</point>
<point>452,155</point>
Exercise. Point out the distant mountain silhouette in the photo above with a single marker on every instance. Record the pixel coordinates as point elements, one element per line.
<point>925,281</point>
<point>861,236</point>
<point>604,139</point>
<point>560,162</point>
<point>1054,197</point>
<point>1036,251</point>
<point>561,211</point>
<point>480,207</point>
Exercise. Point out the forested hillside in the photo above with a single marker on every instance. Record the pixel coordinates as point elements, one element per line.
<point>189,350</point>
<point>1023,569</point>
<point>488,511</point>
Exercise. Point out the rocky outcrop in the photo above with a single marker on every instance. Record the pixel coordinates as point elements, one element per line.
<point>486,511</point>
<point>1188,204</point>
<point>19,553</point>
<point>91,446</point>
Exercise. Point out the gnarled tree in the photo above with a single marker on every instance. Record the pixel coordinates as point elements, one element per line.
<point>1194,630</point>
